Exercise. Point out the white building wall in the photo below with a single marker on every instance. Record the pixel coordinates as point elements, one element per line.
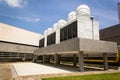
<point>17,35</point>
<point>96,30</point>
<point>87,27</point>
<point>57,36</point>
<point>57,30</point>
<point>45,38</point>
<point>84,26</point>
<point>60,24</point>
<point>45,42</point>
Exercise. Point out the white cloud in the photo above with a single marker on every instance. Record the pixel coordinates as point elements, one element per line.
<point>29,19</point>
<point>15,3</point>
<point>37,19</point>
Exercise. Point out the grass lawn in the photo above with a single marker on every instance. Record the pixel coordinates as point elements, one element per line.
<point>110,76</point>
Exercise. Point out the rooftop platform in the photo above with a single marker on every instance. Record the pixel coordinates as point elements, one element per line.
<point>79,44</point>
<point>78,47</point>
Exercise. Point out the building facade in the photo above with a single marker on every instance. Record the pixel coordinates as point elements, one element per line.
<point>16,43</point>
<point>77,36</point>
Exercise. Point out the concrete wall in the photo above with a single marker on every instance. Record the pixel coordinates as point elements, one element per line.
<point>16,48</point>
<point>79,44</point>
<point>69,45</point>
<point>13,34</point>
<point>97,46</point>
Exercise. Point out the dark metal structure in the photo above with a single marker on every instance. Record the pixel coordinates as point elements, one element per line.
<point>111,34</point>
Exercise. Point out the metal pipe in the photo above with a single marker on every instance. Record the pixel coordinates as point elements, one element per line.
<point>111,61</point>
<point>92,28</point>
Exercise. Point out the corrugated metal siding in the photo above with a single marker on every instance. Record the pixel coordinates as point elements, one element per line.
<point>111,34</point>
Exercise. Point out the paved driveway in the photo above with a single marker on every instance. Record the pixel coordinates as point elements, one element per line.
<point>23,69</point>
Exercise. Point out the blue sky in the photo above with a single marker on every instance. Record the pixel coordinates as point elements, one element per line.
<point>38,15</point>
